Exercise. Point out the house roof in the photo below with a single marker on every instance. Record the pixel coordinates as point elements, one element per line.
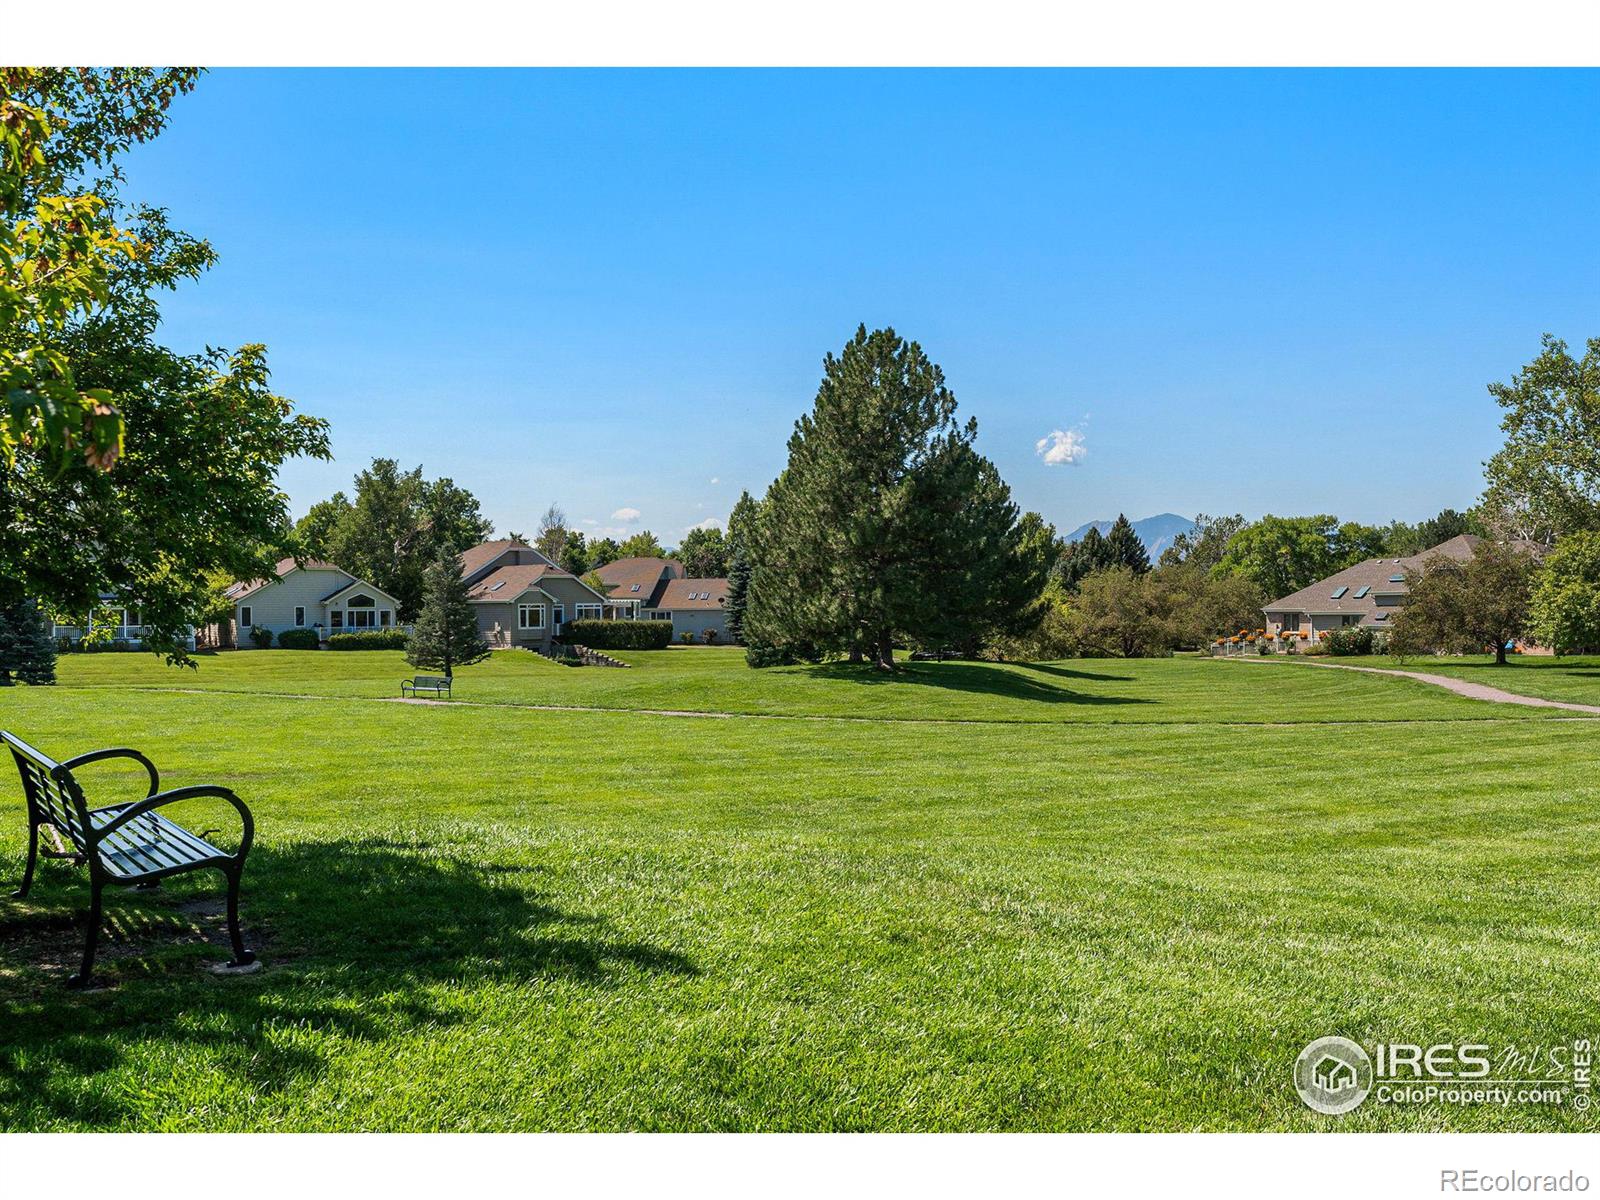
<point>1355,590</point>
<point>687,595</point>
<point>507,583</point>
<point>477,557</point>
<point>637,578</point>
<point>243,588</point>
<point>355,583</point>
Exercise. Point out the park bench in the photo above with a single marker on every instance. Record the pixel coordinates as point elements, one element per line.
<point>437,684</point>
<point>122,843</point>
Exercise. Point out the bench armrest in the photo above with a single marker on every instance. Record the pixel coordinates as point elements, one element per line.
<point>195,791</point>
<point>72,764</point>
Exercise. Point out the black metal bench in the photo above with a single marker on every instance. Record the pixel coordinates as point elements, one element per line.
<point>122,843</point>
<point>437,684</point>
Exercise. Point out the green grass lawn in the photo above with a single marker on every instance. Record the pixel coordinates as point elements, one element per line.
<point>1116,897</point>
<point>708,679</point>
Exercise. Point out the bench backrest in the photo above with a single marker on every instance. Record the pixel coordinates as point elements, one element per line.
<point>53,794</point>
<point>431,681</point>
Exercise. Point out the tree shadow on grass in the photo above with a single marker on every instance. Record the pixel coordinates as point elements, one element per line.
<point>979,678</point>
<point>361,939</point>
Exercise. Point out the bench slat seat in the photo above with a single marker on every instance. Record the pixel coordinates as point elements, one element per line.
<point>123,843</point>
<point>150,845</point>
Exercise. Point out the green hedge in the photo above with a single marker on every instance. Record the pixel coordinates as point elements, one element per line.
<point>619,635</point>
<point>374,639</point>
<point>261,636</point>
<point>299,639</point>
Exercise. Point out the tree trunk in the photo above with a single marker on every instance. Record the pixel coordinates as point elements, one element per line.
<point>885,651</point>
<point>855,653</point>
<point>1499,652</point>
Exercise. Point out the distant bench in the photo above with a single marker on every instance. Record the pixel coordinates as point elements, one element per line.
<point>122,843</point>
<point>439,685</point>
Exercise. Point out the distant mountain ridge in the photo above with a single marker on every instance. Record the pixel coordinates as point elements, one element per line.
<point>1155,532</point>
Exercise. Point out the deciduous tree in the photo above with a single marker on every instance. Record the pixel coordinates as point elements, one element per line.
<point>1545,480</point>
<point>704,553</point>
<point>1466,606</point>
<point>1565,610</point>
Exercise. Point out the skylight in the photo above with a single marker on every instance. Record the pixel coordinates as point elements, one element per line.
<point>1361,592</point>
<point>1338,592</point>
<point>634,588</point>
<point>1397,578</point>
<point>495,587</point>
<point>1380,616</point>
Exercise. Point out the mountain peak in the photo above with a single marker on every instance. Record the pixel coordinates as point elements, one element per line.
<point>1155,532</point>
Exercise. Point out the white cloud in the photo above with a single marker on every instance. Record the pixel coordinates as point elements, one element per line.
<point>714,479</point>
<point>1061,448</point>
<point>708,523</point>
<point>626,515</point>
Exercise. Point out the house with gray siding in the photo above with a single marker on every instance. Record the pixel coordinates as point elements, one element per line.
<point>658,589</point>
<point>522,597</point>
<point>310,595</point>
<point>1369,593</point>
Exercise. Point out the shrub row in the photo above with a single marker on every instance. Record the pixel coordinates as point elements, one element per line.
<point>1352,639</point>
<point>619,635</point>
<point>374,639</point>
<point>299,639</point>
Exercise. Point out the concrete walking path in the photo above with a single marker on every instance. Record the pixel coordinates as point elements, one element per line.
<point>1461,687</point>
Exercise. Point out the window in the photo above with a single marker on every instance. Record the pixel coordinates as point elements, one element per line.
<point>1339,592</point>
<point>589,612</point>
<point>337,618</point>
<point>530,616</point>
<point>1400,578</point>
<point>634,588</point>
<point>299,616</point>
<point>247,616</point>
<point>558,616</point>
<point>1380,616</point>
<point>383,618</point>
<point>1361,592</point>
<point>658,615</point>
<point>362,618</point>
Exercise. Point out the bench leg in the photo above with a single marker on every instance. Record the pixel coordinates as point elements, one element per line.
<point>81,979</point>
<point>33,858</point>
<point>241,956</point>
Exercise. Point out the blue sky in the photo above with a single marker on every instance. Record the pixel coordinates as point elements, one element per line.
<point>1235,291</point>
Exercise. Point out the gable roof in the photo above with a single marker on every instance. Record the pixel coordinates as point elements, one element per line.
<point>1359,586</point>
<point>688,595</point>
<point>637,578</point>
<point>476,558</point>
<point>358,583</point>
<point>509,582</point>
<point>245,587</point>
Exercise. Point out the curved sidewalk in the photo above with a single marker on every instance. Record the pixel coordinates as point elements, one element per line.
<point>1461,687</point>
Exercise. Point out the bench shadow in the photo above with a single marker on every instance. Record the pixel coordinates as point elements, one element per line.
<point>358,938</point>
<point>984,679</point>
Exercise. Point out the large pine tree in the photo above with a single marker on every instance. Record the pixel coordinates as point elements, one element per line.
<point>26,649</point>
<point>886,523</point>
<point>1124,548</point>
<point>445,635</point>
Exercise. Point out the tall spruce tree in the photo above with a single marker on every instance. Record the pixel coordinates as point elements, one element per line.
<point>1083,558</point>
<point>741,526</point>
<point>886,523</point>
<point>26,649</point>
<point>445,635</point>
<point>1124,548</point>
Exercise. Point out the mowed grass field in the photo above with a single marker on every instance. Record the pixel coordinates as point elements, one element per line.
<point>1086,895</point>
